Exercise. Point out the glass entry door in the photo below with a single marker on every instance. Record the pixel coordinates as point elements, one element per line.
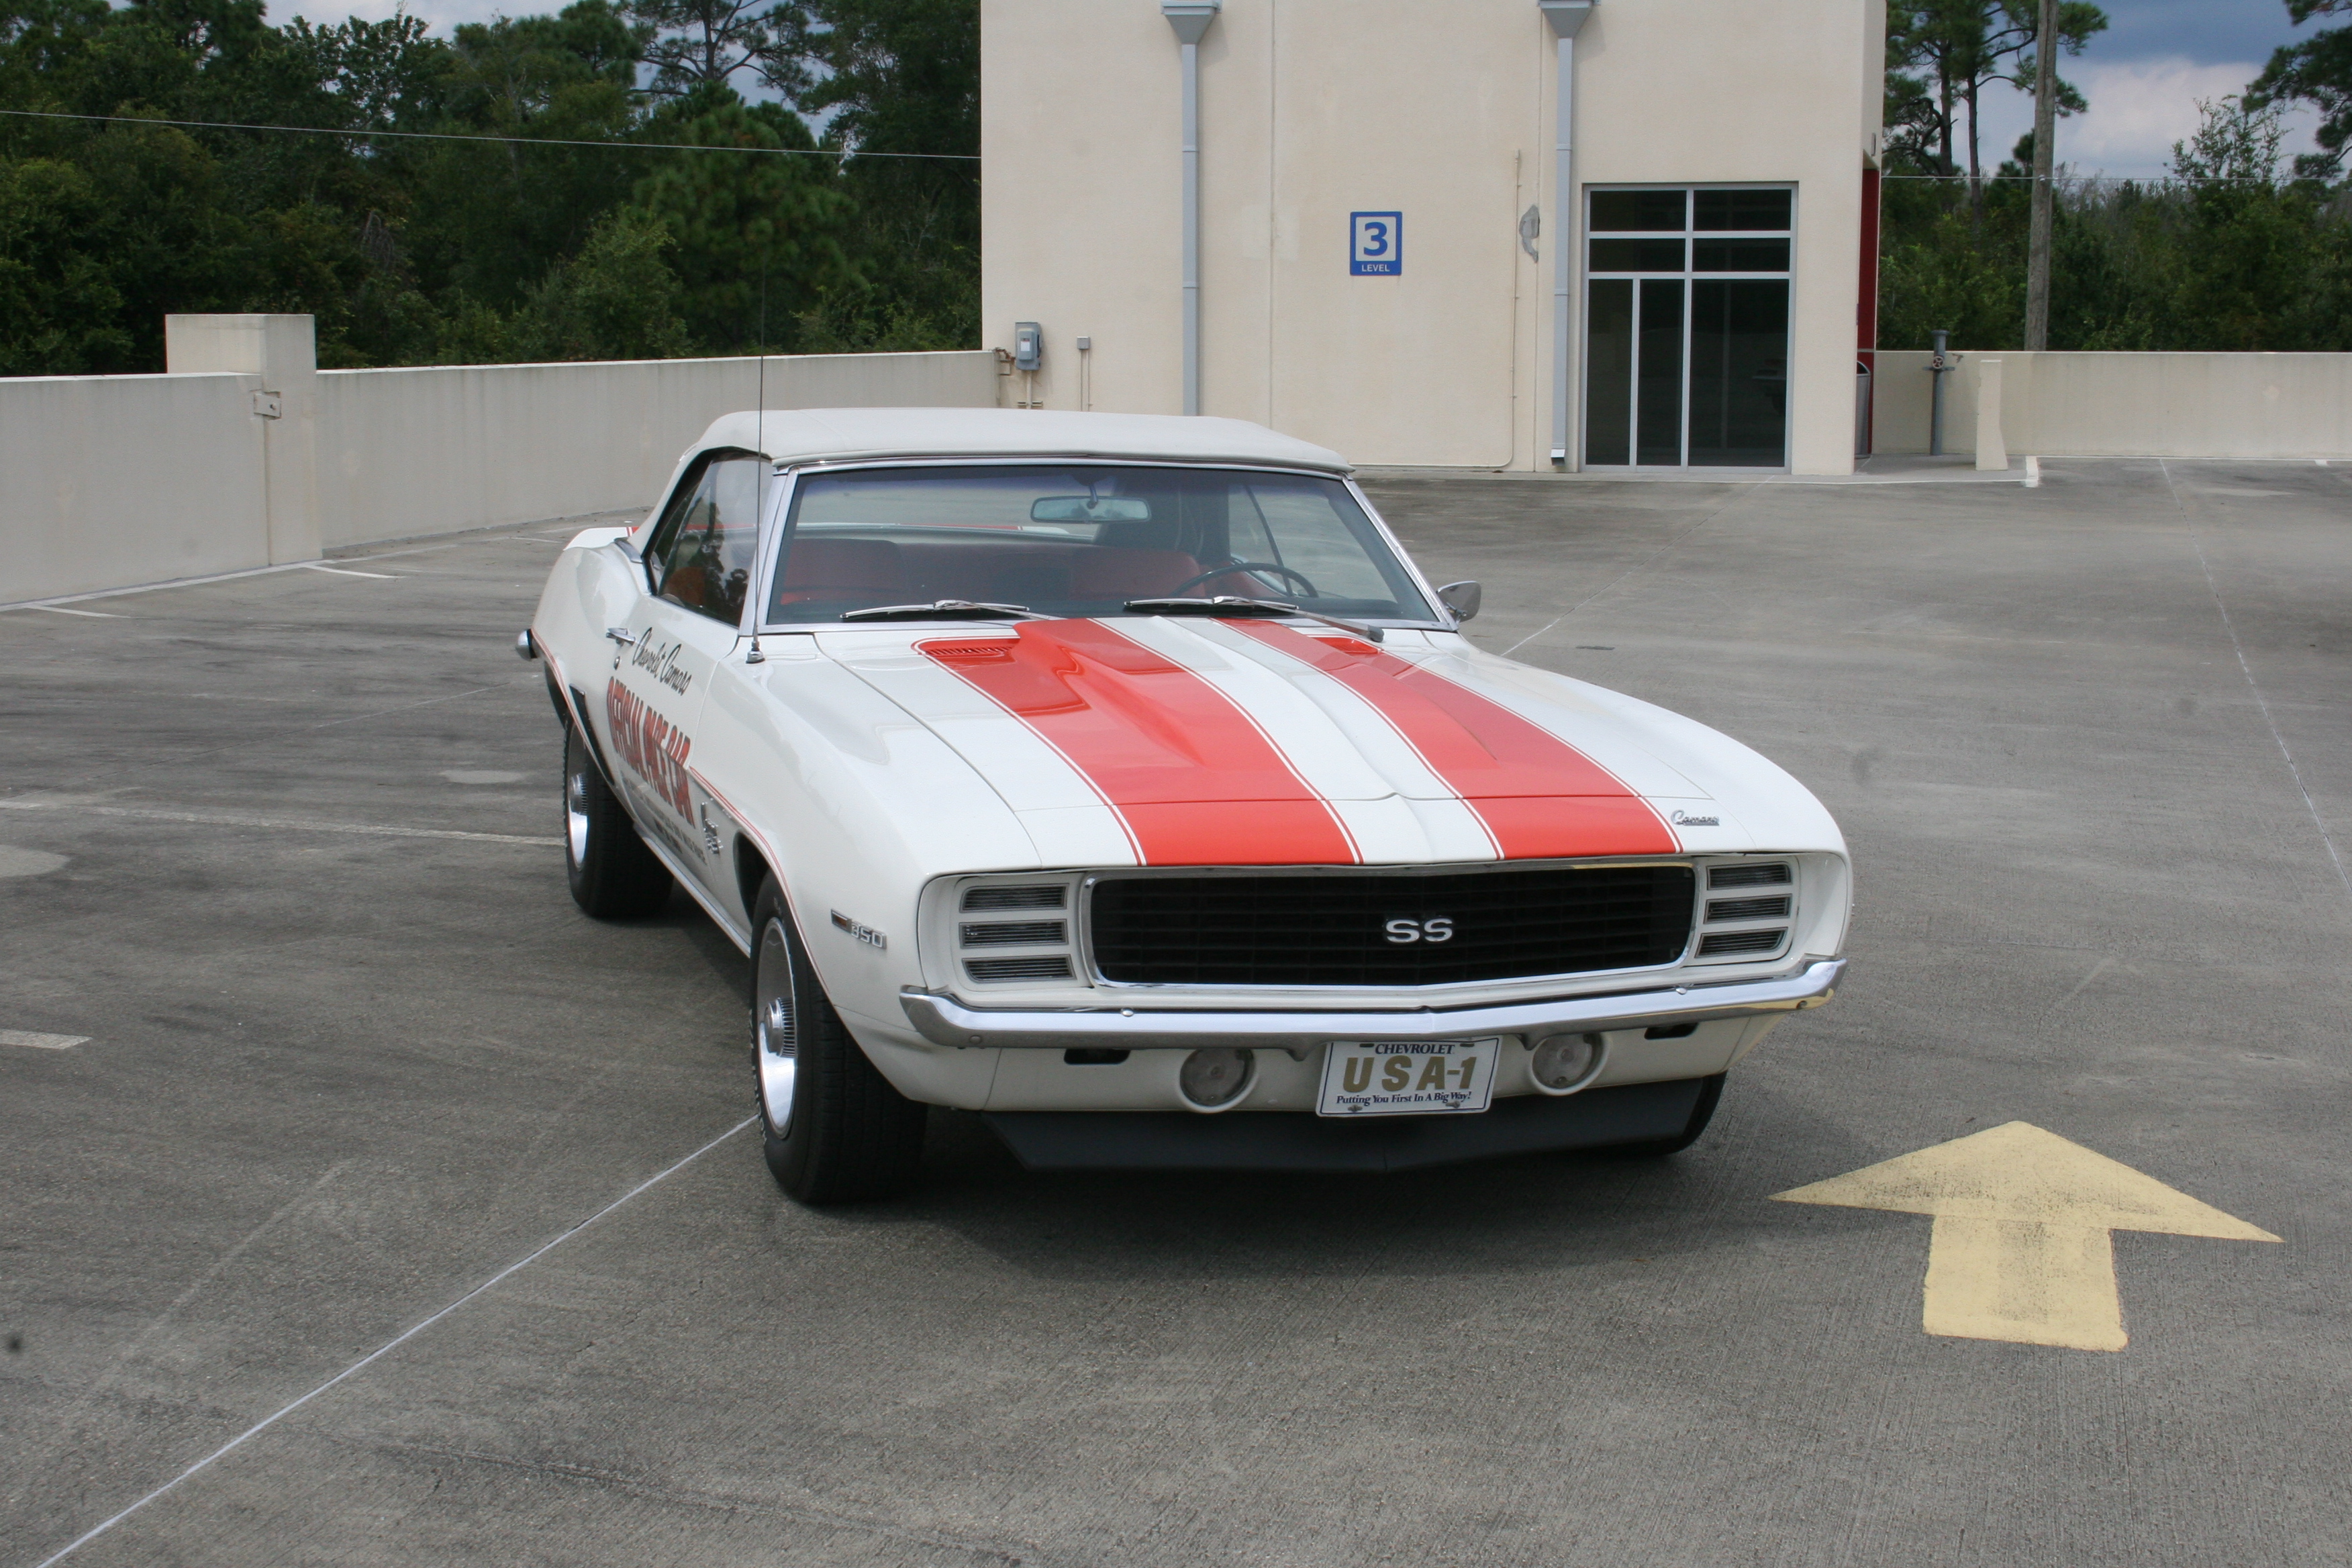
<point>1686,328</point>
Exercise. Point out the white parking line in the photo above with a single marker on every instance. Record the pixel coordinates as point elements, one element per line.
<point>386,1348</point>
<point>61,610</point>
<point>366,829</point>
<point>41,1042</point>
<point>346,572</point>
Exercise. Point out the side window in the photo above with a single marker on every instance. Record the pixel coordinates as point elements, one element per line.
<point>701,553</point>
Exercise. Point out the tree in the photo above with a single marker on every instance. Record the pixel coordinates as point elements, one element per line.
<point>616,300</point>
<point>899,76</point>
<point>2318,71</point>
<point>704,43</point>
<point>757,235</point>
<point>1963,46</point>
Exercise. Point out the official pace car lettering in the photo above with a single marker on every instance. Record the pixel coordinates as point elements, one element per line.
<point>654,749</point>
<point>1539,797</point>
<point>1191,777</point>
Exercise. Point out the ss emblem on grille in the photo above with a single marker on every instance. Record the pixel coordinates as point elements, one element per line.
<point>1438,928</point>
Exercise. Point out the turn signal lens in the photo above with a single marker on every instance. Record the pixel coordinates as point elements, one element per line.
<point>1564,1061</point>
<point>1214,1076</point>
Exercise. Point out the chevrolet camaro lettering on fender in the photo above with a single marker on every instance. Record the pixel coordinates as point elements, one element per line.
<point>1120,779</point>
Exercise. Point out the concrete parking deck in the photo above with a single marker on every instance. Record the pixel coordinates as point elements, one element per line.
<point>302,1041</point>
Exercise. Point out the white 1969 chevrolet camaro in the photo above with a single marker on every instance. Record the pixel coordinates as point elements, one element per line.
<point>1118,777</point>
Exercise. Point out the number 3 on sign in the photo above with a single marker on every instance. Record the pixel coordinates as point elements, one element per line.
<point>1375,244</point>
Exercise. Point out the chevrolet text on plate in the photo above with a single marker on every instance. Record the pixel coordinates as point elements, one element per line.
<point>1120,778</point>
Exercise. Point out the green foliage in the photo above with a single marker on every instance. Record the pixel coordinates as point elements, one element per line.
<point>567,228</point>
<point>2224,256</point>
<point>898,75</point>
<point>1942,54</point>
<point>758,238</point>
<point>2318,70</point>
<point>616,300</point>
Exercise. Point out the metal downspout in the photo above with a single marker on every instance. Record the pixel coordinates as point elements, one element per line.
<point>1191,18</point>
<point>1565,16</point>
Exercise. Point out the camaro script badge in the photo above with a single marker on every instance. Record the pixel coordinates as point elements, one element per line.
<point>1681,820</point>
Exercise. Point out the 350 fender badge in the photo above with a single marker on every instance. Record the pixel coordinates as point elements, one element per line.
<point>1681,820</point>
<point>865,933</point>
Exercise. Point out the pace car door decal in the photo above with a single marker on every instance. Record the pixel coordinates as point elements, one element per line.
<point>1192,775</point>
<point>1538,797</point>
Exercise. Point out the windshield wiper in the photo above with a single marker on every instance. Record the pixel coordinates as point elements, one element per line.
<point>945,610</point>
<point>1229,605</point>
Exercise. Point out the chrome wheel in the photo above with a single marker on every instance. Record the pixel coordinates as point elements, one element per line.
<point>575,815</point>
<point>775,1026</point>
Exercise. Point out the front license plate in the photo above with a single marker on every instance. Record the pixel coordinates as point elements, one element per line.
<point>1386,1078</point>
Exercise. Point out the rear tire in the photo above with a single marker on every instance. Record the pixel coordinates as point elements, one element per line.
<point>1710,1093</point>
<point>612,875</point>
<point>834,1128</point>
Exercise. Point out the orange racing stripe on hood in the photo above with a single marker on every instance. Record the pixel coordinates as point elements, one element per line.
<point>1540,797</point>
<point>1192,776</point>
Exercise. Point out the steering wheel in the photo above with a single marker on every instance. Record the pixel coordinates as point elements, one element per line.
<point>1305,589</point>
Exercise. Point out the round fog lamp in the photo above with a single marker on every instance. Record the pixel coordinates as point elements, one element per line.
<point>1566,1063</point>
<point>1213,1076</point>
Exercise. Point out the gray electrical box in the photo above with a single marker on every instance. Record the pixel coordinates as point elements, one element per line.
<point>1028,345</point>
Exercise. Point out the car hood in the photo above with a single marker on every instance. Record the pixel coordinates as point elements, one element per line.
<point>1196,740</point>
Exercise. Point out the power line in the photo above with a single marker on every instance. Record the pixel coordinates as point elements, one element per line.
<point>839,155</point>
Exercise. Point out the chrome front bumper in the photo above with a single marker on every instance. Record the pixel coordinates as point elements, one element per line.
<point>946,1022</point>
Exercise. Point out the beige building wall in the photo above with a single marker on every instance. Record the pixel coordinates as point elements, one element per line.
<point>1315,109</point>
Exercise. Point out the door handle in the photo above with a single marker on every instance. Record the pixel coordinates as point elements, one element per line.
<point>623,636</point>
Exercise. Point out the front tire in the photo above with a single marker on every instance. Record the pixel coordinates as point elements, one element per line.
<point>612,875</point>
<point>834,1128</point>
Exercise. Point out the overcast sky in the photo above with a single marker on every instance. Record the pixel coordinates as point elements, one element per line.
<point>2142,76</point>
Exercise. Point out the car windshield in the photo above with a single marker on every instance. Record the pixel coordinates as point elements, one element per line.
<point>1074,540</point>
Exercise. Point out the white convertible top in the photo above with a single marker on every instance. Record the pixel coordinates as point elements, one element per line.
<point>803,435</point>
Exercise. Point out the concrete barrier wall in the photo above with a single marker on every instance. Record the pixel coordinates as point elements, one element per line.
<point>248,457</point>
<point>2128,405</point>
<point>110,480</point>
<point>442,449</point>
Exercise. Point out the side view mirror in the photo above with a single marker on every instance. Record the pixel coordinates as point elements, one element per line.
<point>1462,598</point>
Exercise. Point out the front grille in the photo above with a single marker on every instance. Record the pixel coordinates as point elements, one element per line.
<point>1749,876</point>
<point>1724,942</point>
<point>1007,915</point>
<point>1746,909</point>
<point>1031,897</point>
<point>1057,967</point>
<point>1013,934</point>
<point>1386,929</point>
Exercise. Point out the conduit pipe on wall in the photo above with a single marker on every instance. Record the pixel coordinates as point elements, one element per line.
<point>1191,18</point>
<point>1565,16</point>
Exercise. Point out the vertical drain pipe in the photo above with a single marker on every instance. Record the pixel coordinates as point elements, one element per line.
<point>1565,16</point>
<point>1191,18</point>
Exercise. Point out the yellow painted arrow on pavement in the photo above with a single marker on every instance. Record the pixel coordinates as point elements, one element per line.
<point>2023,1248</point>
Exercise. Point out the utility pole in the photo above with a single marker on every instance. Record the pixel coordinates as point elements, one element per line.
<point>2046,134</point>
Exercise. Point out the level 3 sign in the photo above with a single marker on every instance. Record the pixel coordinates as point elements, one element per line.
<point>1375,244</point>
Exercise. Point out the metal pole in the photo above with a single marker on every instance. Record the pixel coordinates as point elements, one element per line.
<point>1192,228</point>
<point>1936,369</point>
<point>2046,134</point>
<point>1565,17</point>
<point>1191,18</point>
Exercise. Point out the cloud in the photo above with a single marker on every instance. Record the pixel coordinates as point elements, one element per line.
<point>2139,110</point>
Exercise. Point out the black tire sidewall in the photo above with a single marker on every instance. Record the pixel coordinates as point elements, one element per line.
<point>851,1135</point>
<point>614,876</point>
